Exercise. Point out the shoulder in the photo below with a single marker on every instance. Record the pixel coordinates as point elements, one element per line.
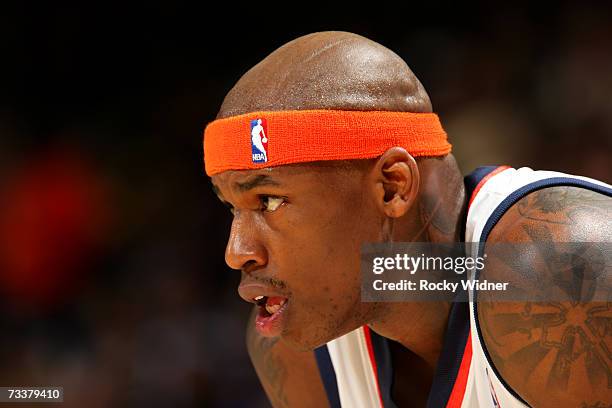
<point>557,352</point>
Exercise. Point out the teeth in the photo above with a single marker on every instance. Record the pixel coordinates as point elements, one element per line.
<point>258,298</point>
<point>275,308</point>
<point>272,309</point>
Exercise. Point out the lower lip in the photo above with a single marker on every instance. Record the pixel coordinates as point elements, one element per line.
<point>271,326</point>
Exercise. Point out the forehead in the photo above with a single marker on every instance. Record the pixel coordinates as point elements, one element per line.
<point>268,174</point>
<point>281,176</point>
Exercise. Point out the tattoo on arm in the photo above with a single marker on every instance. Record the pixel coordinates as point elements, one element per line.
<point>564,346</point>
<point>270,368</point>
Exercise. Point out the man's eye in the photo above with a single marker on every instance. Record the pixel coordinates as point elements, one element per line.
<point>271,203</point>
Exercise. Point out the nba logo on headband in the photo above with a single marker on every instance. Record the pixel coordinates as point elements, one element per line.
<point>226,140</point>
<point>259,141</point>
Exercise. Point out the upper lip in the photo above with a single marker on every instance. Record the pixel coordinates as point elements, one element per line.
<point>250,290</point>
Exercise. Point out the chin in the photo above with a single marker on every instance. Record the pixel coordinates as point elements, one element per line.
<point>309,338</point>
<point>300,343</point>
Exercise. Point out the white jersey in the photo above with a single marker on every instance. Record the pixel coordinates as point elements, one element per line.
<point>356,368</point>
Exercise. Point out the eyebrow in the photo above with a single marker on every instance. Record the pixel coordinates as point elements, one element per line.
<point>259,180</point>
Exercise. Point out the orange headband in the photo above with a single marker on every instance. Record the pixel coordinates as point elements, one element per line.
<point>265,139</point>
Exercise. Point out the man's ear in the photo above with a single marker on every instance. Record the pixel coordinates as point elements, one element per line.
<point>396,182</point>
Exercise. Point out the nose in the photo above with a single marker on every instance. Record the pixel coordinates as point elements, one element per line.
<point>244,249</point>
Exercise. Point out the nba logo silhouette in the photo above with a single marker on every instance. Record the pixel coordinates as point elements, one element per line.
<point>259,141</point>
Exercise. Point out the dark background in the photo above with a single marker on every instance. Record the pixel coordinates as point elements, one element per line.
<point>112,278</point>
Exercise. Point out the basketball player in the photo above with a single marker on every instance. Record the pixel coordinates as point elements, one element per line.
<point>356,155</point>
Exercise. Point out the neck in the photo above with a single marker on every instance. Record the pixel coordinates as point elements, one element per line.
<point>420,327</point>
<point>442,204</point>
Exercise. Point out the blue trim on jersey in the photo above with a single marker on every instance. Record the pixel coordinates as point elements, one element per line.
<point>470,182</point>
<point>472,179</point>
<point>328,376</point>
<point>384,367</point>
<point>494,218</point>
<point>382,356</point>
<point>455,339</point>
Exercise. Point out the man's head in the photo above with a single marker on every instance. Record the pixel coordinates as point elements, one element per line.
<point>328,70</point>
<point>298,229</point>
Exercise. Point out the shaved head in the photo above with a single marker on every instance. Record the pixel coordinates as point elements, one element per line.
<point>328,70</point>
<point>294,224</point>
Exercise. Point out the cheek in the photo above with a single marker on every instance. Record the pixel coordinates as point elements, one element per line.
<point>326,296</point>
<point>322,267</point>
<point>326,267</point>
<point>314,321</point>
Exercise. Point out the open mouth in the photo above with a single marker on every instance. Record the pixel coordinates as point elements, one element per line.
<point>270,317</point>
<point>270,304</point>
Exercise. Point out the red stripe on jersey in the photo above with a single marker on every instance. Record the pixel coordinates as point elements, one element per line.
<point>484,180</point>
<point>456,397</point>
<point>366,331</point>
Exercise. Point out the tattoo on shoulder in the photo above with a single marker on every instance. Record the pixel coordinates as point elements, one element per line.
<point>561,205</point>
<point>569,340</point>
<point>562,345</point>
